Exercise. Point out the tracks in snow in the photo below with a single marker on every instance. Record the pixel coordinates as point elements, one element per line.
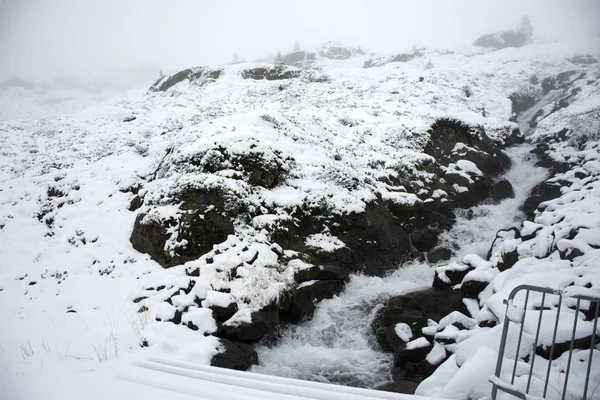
<point>202,382</point>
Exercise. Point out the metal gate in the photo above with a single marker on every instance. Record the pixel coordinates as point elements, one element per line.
<point>531,383</point>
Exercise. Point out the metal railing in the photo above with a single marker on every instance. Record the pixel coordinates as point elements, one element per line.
<point>517,314</point>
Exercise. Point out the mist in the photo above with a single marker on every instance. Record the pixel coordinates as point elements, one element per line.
<point>43,39</point>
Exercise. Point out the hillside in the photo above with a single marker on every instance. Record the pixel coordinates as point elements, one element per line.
<point>192,220</point>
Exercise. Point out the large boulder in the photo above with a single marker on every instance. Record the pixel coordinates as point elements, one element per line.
<point>303,302</point>
<point>415,309</point>
<point>235,355</point>
<point>203,222</point>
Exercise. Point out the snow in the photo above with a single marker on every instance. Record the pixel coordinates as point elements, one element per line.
<point>417,344</point>
<point>403,331</point>
<point>325,242</point>
<point>69,276</point>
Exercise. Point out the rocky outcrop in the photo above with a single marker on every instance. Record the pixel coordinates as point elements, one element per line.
<point>204,220</point>
<point>200,75</point>
<point>271,73</point>
<point>501,40</point>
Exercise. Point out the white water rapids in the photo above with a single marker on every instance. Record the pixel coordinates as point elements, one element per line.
<point>337,344</point>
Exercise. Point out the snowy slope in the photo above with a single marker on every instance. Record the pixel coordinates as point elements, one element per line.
<point>68,272</point>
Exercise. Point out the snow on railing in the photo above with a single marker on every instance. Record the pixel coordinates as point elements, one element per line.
<point>517,313</point>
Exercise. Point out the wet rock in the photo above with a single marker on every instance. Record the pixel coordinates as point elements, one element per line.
<point>261,323</point>
<point>307,295</point>
<point>424,239</point>
<point>453,275</point>
<point>402,386</point>
<point>222,314</point>
<point>235,355</point>
<point>415,309</point>
<point>439,254</point>
<point>471,289</point>
<point>542,192</point>
<point>411,363</point>
<point>501,190</point>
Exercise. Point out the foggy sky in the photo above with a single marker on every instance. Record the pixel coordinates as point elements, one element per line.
<point>41,39</point>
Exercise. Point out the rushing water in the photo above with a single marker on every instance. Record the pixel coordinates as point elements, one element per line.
<point>337,344</point>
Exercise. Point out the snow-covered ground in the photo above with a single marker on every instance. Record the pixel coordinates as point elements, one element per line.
<point>69,274</point>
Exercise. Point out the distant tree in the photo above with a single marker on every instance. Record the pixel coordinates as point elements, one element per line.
<point>235,59</point>
<point>525,27</point>
<point>305,61</point>
<point>297,46</point>
<point>278,61</point>
<point>429,65</point>
<point>414,49</point>
<point>161,74</point>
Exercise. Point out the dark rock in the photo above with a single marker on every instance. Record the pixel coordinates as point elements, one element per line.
<point>424,239</point>
<point>445,133</point>
<point>306,296</point>
<point>222,314</point>
<point>262,322</point>
<point>561,347</point>
<point>439,254</point>
<point>508,260</point>
<point>414,309</point>
<point>402,386</point>
<point>542,192</point>
<point>455,277</point>
<point>471,289</point>
<point>570,253</point>
<point>501,190</point>
<point>411,364</point>
<point>502,234</point>
<point>129,119</point>
<point>239,356</point>
<point>560,81</point>
<point>201,226</point>
<point>271,73</point>
<point>501,40</point>
<point>375,239</point>
<point>522,102</point>
<point>135,203</point>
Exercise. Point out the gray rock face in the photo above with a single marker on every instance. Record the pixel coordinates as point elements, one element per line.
<point>271,73</point>
<point>191,74</point>
<point>502,40</point>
